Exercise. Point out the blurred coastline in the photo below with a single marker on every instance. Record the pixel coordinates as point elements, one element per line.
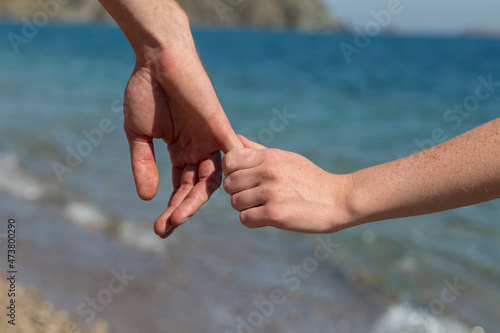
<point>279,14</point>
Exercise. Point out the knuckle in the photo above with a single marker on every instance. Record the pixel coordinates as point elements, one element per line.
<point>273,153</point>
<point>226,184</point>
<point>274,213</point>
<point>227,162</point>
<point>270,173</point>
<point>246,220</point>
<point>269,193</point>
<point>235,201</point>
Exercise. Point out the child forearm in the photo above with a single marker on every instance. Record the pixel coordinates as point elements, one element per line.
<point>457,173</point>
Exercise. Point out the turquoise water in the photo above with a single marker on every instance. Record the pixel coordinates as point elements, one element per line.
<point>384,105</point>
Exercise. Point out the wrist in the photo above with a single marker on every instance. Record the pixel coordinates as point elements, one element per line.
<point>170,32</point>
<point>151,26</point>
<point>343,214</point>
<point>353,201</point>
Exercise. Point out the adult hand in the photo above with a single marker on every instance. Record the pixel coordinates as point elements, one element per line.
<point>271,187</point>
<point>170,97</point>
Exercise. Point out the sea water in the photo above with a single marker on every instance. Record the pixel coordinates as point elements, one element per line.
<point>396,96</point>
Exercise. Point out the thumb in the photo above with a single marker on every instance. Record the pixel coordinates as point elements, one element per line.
<point>242,158</point>
<point>250,144</point>
<point>231,142</point>
<point>143,165</point>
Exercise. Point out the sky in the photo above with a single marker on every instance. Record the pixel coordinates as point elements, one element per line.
<point>424,16</point>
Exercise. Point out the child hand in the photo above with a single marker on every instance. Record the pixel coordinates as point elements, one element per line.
<point>271,187</point>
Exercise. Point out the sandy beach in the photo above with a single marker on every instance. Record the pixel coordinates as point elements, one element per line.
<point>34,315</point>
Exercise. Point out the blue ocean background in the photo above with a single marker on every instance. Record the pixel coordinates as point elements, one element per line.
<point>435,273</point>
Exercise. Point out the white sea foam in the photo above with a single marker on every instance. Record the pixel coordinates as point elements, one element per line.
<point>86,215</point>
<point>17,182</point>
<point>404,318</point>
<point>141,236</point>
<point>131,233</point>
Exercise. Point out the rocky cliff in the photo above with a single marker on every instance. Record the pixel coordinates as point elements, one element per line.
<point>302,14</point>
<point>299,14</point>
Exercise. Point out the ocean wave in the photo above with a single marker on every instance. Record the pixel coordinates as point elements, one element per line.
<point>404,318</point>
<point>20,183</point>
<point>140,236</point>
<point>17,182</point>
<point>129,232</point>
<point>86,215</point>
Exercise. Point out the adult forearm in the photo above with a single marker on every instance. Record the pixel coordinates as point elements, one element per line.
<point>460,172</point>
<point>150,25</point>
